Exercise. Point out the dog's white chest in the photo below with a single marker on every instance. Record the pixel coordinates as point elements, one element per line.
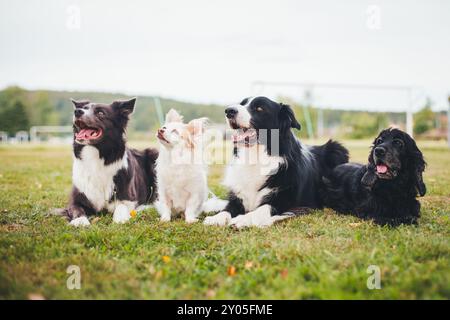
<point>179,182</point>
<point>248,172</point>
<point>92,177</point>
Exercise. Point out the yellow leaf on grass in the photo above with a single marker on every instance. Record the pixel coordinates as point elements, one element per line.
<point>248,264</point>
<point>354,224</point>
<point>133,213</point>
<point>166,259</point>
<point>231,271</point>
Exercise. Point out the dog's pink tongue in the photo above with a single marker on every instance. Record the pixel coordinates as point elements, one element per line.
<point>85,134</point>
<point>381,168</point>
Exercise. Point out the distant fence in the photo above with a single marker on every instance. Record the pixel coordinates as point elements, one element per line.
<point>37,134</point>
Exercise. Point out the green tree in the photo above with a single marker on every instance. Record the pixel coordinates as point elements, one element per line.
<point>14,118</point>
<point>41,111</point>
<point>364,124</point>
<point>424,120</point>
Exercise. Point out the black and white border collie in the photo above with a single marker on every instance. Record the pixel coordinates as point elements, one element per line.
<point>385,189</point>
<point>106,174</point>
<point>272,172</point>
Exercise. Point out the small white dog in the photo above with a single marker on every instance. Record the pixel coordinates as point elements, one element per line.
<point>181,173</point>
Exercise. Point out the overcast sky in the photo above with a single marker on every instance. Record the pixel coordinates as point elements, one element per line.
<point>211,51</point>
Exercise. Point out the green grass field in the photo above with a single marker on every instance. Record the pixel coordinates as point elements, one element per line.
<point>317,256</point>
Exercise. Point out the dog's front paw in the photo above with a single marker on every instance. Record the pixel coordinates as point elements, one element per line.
<point>241,221</point>
<point>121,214</point>
<point>220,219</point>
<point>191,219</point>
<point>260,218</point>
<point>165,218</point>
<point>80,222</point>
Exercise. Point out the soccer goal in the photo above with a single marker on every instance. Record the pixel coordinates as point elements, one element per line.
<point>51,134</point>
<point>356,97</point>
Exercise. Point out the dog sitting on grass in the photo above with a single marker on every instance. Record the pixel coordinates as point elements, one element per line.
<point>385,189</point>
<point>106,174</point>
<point>182,171</point>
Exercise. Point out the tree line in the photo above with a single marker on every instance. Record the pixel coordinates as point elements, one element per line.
<point>20,109</point>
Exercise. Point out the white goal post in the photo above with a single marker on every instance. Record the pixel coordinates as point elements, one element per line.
<point>36,131</point>
<point>260,86</point>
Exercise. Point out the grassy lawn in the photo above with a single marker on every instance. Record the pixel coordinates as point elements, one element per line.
<point>321,255</point>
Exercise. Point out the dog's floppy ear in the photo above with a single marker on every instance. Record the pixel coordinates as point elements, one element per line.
<point>125,106</point>
<point>197,126</point>
<point>369,178</point>
<point>173,116</point>
<point>416,164</point>
<point>287,118</point>
<point>420,185</point>
<point>419,169</point>
<point>79,104</point>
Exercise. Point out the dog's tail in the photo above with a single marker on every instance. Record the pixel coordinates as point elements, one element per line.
<point>151,155</point>
<point>214,204</point>
<point>334,154</point>
<point>331,154</point>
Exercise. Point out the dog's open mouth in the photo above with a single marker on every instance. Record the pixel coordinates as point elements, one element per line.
<point>85,132</point>
<point>246,137</point>
<point>385,172</point>
<point>160,136</point>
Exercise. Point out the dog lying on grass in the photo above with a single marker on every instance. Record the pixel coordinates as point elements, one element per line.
<point>385,189</point>
<point>106,174</point>
<point>272,172</point>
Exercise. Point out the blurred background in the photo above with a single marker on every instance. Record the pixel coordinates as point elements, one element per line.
<point>348,68</point>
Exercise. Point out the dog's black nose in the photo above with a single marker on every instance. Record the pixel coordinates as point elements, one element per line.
<point>380,151</point>
<point>78,113</point>
<point>231,112</point>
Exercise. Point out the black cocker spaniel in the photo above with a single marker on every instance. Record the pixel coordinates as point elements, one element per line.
<point>385,189</point>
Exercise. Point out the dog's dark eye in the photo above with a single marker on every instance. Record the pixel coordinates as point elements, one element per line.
<point>259,109</point>
<point>398,143</point>
<point>100,113</point>
<point>378,141</point>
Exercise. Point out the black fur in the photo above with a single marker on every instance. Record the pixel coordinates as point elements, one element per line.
<point>298,181</point>
<point>386,198</point>
<point>135,183</point>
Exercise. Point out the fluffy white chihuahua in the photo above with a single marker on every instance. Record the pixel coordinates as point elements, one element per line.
<point>181,173</point>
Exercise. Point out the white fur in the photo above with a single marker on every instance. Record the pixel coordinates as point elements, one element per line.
<point>80,222</point>
<point>220,219</point>
<point>260,218</point>
<point>181,187</point>
<point>245,176</point>
<point>247,172</point>
<point>92,177</point>
<point>214,204</point>
<point>243,116</point>
<point>181,172</point>
<point>121,214</point>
